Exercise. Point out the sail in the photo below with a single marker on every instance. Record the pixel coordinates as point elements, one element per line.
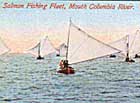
<point>35,49</point>
<point>62,50</point>
<point>134,45</point>
<point>3,47</point>
<point>120,44</point>
<point>44,47</point>
<point>84,47</point>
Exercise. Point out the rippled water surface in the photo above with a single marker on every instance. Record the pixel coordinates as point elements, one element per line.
<point>23,79</point>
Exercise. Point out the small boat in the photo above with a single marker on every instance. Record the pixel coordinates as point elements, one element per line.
<point>68,70</point>
<point>82,47</point>
<point>112,56</point>
<point>137,56</point>
<point>44,47</point>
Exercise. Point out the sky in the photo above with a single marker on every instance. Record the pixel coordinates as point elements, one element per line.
<point>21,29</point>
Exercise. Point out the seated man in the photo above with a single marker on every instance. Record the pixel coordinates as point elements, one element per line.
<point>61,64</point>
<point>65,63</point>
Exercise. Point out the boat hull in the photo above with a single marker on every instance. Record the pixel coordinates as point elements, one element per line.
<point>66,71</point>
<point>129,60</point>
<point>137,56</point>
<point>39,58</point>
<point>57,55</point>
<point>112,56</point>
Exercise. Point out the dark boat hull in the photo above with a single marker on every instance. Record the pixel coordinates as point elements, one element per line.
<point>57,55</point>
<point>112,56</point>
<point>39,58</point>
<point>67,71</point>
<point>137,56</point>
<point>129,60</point>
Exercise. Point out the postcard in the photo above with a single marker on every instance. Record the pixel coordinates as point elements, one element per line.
<point>69,51</point>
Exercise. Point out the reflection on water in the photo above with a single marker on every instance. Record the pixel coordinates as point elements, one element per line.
<point>23,79</point>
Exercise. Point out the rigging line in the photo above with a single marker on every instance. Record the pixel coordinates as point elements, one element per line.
<point>94,38</point>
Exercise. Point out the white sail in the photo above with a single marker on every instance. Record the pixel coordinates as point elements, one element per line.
<point>44,47</point>
<point>62,50</point>
<point>35,49</point>
<point>3,47</point>
<point>84,47</point>
<point>120,44</point>
<point>135,44</point>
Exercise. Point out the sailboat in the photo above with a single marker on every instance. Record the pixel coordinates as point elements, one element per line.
<point>128,59</point>
<point>61,50</point>
<point>82,47</point>
<point>3,47</point>
<point>44,47</point>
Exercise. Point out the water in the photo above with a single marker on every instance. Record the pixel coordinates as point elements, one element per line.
<point>23,79</point>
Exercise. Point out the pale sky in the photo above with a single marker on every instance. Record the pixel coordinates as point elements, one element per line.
<point>21,29</point>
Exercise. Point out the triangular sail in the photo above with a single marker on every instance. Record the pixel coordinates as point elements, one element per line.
<point>35,49</point>
<point>44,47</point>
<point>62,50</point>
<point>120,44</point>
<point>3,47</point>
<point>84,47</point>
<point>135,44</point>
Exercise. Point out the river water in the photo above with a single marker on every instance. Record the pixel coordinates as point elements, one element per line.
<point>23,79</point>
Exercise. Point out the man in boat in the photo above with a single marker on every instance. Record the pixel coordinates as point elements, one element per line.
<point>65,68</point>
<point>63,64</point>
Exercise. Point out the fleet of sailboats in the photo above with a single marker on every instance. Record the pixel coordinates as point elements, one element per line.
<point>82,47</point>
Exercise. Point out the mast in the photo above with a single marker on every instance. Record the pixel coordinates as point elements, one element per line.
<point>68,39</point>
<point>127,47</point>
<point>39,49</point>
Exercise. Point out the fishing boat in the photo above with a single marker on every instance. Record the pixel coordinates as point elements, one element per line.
<point>3,47</point>
<point>61,50</point>
<point>137,56</point>
<point>128,59</point>
<point>44,47</point>
<point>112,56</point>
<point>82,47</point>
